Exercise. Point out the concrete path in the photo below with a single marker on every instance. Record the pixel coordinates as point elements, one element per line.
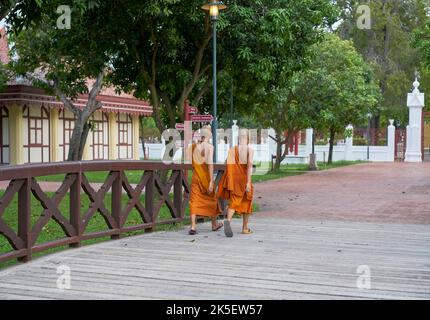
<point>310,242</point>
<point>376,192</point>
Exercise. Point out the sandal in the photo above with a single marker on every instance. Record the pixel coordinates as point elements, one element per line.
<point>247,231</point>
<point>192,232</point>
<point>227,229</point>
<point>219,226</point>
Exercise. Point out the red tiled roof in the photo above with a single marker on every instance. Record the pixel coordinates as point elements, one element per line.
<point>22,94</point>
<point>110,91</point>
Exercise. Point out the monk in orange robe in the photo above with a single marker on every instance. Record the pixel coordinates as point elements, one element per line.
<point>235,184</point>
<point>203,200</point>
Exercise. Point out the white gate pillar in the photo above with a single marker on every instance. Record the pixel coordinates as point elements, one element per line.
<point>413,130</point>
<point>391,141</point>
<point>349,142</point>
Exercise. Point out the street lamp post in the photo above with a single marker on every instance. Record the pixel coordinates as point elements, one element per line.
<point>369,116</point>
<point>214,7</point>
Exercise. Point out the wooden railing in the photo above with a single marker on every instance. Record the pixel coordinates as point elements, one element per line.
<point>148,196</point>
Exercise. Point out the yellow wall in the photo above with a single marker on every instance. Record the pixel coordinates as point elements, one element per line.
<point>54,145</point>
<point>15,127</point>
<point>87,154</point>
<point>16,136</point>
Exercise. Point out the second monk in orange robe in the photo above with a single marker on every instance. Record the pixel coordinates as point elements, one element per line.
<point>236,186</point>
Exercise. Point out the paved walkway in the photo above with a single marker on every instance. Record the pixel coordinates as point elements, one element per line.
<point>309,240</point>
<point>376,192</point>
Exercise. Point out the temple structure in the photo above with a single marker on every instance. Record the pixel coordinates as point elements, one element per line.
<point>35,127</point>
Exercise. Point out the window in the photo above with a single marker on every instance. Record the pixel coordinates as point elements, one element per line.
<point>125,136</point>
<point>36,134</point>
<point>100,131</point>
<point>67,122</point>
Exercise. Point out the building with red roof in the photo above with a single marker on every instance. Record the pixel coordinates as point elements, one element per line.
<point>35,126</point>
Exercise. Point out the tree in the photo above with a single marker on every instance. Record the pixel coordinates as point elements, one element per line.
<point>421,41</point>
<point>386,46</point>
<point>274,40</point>
<point>5,7</point>
<point>62,61</point>
<point>337,90</point>
<point>164,55</point>
<point>161,50</point>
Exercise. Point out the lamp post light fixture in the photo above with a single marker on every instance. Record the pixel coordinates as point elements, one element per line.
<point>214,7</point>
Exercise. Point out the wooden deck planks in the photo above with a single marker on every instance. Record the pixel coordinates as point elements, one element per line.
<point>283,259</point>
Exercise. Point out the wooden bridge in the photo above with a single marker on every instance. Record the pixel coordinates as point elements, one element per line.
<point>287,257</point>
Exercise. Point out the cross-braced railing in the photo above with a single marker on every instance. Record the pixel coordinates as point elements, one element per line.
<point>149,197</point>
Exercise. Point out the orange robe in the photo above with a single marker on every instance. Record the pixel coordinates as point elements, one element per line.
<point>233,184</point>
<point>202,203</point>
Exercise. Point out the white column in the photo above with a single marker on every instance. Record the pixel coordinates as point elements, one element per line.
<point>349,141</point>
<point>413,130</point>
<point>309,137</point>
<point>391,140</point>
<point>234,134</point>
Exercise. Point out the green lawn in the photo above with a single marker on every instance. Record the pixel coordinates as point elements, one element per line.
<point>285,171</point>
<point>52,230</point>
<point>96,177</point>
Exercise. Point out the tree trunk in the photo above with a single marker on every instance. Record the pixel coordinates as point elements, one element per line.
<point>331,142</point>
<point>281,141</point>
<point>78,138</point>
<point>84,138</point>
<point>313,164</point>
<point>82,127</point>
<point>278,160</point>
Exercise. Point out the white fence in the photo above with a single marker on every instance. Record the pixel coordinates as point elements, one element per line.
<point>263,152</point>
<point>155,151</point>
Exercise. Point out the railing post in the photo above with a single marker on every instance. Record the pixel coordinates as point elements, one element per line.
<point>24,222</point>
<point>116,203</point>
<point>149,199</point>
<point>177,194</point>
<point>75,208</point>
